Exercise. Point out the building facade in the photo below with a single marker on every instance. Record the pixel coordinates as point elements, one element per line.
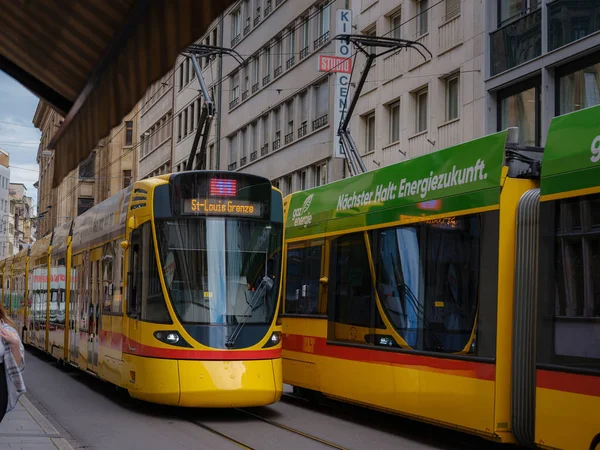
<point>4,203</point>
<point>543,60</point>
<point>277,108</point>
<point>47,121</point>
<point>19,233</point>
<point>155,128</point>
<point>109,168</point>
<point>411,105</point>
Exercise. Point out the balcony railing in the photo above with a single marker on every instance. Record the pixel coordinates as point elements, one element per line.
<point>277,72</point>
<point>303,53</point>
<point>290,63</point>
<point>233,103</point>
<point>276,144</point>
<point>236,39</point>
<point>289,138</point>
<point>320,122</point>
<point>232,166</point>
<point>245,95</point>
<point>302,130</point>
<point>254,88</point>
<point>321,41</point>
<point>246,30</point>
<point>268,8</point>
<point>243,160</point>
<point>264,149</point>
<point>569,21</point>
<point>266,80</point>
<point>253,155</point>
<point>257,20</point>
<point>517,42</point>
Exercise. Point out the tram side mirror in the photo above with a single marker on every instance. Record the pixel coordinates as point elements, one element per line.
<point>125,245</point>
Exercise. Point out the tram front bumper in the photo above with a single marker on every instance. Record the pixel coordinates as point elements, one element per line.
<point>226,384</point>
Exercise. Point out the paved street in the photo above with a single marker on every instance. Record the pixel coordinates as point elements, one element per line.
<point>93,415</point>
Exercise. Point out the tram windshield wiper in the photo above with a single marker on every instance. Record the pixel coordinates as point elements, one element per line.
<point>260,293</point>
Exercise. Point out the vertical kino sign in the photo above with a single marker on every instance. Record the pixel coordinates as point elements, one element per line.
<point>343,25</point>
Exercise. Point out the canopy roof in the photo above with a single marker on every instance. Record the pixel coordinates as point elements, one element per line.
<point>93,60</point>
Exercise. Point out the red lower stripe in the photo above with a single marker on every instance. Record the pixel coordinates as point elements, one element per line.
<point>319,346</point>
<point>568,382</point>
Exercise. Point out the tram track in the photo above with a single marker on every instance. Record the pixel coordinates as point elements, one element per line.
<point>246,445</point>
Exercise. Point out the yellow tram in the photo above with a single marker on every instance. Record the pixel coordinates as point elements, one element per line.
<point>168,289</point>
<point>459,288</point>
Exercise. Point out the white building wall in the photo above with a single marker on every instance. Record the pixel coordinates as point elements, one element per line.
<point>456,39</point>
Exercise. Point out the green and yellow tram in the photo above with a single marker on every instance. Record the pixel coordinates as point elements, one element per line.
<point>447,289</point>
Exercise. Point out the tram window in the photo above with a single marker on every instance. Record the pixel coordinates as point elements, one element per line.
<point>302,280</point>
<point>154,308</point>
<point>354,310</point>
<point>569,327</point>
<point>134,276</point>
<point>428,281</point>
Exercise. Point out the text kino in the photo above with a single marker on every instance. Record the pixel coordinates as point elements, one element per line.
<point>229,207</point>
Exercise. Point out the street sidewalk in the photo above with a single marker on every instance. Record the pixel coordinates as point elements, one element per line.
<point>25,428</point>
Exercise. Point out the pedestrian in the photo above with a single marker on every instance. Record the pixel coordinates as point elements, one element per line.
<point>12,364</point>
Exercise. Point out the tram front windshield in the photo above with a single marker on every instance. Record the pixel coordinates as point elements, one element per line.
<point>221,271</point>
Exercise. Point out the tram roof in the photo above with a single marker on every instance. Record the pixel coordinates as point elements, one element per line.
<point>572,153</point>
<point>93,60</point>
<point>40,248</point>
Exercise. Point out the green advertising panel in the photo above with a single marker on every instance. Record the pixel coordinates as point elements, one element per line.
<point>458,178</point>
<point>572,153</point>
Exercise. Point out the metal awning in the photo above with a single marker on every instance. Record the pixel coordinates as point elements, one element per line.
<point>93,60</point>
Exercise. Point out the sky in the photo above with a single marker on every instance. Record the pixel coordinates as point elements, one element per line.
<point>18,136</point>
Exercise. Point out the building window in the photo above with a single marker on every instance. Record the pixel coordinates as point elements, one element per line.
<point>394,109</point>
<point>322,100</point>
<point>321,174</point>
<point>323,19</point>
<point>126,178</point>
<point>423,17</point>
<point>305,36</point>
<point>452,98</point>
<point>288,185</point>
<point>180,77</point>
<point>83,204</point>
<point>421,119</point>
<point>267,65</point>
<point>511,9</point>
<point>185,123</point>
<point>179,128</point>
<point>86,168</point>
<point>369,133</point>
<point>236,26</point>
<point>303,184</point>
<point>192,118</point>
<point>452,9</point>
<point>520,106</point>
<point>128,132</point>
<point>211,156</point>
<point>233,149</point>
<point>395,24</point>
<point>578,87</point>
<point>277,50</point>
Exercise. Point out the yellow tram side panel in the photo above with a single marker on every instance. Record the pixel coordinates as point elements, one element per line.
<point>19,290</point>
<point>461,401</point>
<point>564,418</point>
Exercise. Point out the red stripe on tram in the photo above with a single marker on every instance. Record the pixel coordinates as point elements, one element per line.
<point>568,382</point>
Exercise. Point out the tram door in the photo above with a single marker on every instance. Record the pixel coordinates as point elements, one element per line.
<point>94,316</point>
<point>134,288</point>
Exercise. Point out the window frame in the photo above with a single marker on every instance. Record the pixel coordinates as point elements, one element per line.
<point>569,69</point>
<point>370,135</point>
<point>533,82</point>
<point>447,81</point>
<point>418,95</point>
<point>422,19</point>
<point>395,105</point>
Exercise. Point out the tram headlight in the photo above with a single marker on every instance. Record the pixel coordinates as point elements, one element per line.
<point>171,337</point>
<point>273,340</point>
